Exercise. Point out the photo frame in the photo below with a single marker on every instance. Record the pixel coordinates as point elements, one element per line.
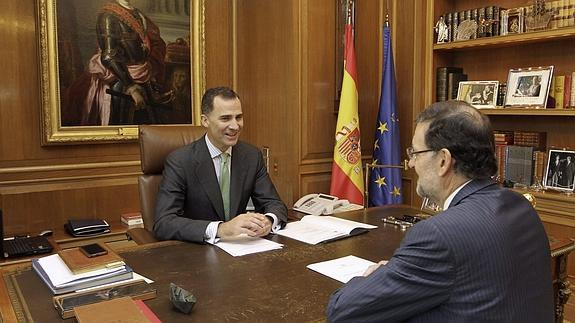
<point>512,21</point>
<point>560,170</point>
<point>83,99</point>
<point>528,87</point>
<point>429,206</point>
<point>480,94</point>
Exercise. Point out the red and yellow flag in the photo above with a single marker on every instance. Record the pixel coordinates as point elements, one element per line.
<point>347,172</point>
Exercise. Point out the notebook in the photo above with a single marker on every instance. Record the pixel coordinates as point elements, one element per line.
<point>22,246</point>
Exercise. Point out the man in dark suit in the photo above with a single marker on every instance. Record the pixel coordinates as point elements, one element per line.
<point>485,258</point>
<point>192,203</point>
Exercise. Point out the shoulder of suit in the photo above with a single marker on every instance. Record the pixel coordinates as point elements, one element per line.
<point>243,146</point>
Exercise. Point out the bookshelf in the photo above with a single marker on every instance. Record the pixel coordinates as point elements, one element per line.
<point>491,58</point>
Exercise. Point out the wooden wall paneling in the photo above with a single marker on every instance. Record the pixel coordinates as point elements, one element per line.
<point>218,43</point>
<point>368,40</point>
<point>318,58</point>
<point>33,208</point>
<point>268,82</point>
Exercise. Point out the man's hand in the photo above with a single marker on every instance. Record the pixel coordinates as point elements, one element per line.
<point>137,94</point>
<point>373,268</point>
<point>250,224</point>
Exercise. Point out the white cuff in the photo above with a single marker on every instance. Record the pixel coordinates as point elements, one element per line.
<point>211,232</point>
<point>276,223</point>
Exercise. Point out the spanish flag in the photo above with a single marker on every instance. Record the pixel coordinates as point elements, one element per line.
<point>347,172</point>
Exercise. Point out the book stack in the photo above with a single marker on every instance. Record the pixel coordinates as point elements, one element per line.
<point>132,220</point>
<point>67,271</point>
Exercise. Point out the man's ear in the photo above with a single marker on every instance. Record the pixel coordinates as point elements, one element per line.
<point>446,162</point>
<point>204,120</point>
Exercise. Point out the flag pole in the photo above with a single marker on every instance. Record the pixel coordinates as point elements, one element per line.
<point>369,167</point>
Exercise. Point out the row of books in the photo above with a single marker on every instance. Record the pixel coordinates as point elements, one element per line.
<point>562,90</point>
<point>521,156</point>
<point>479,15</point>
<point>494,20</point>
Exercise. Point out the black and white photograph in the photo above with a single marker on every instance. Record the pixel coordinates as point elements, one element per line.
<point>528,87</point>
<point>480,94</point>
<point>560,171</point>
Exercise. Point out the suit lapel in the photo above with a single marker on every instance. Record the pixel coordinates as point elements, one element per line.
<point>207,178</point>
<point>239,170</point>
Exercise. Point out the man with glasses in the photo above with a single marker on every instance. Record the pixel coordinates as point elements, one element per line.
<point>485,258</point>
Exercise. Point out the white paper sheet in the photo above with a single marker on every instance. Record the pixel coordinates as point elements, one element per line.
<point>245,246</point>
<point>134,278</point>
<point>342,269</point>
<point>60,275</point>
<point>314,229</point>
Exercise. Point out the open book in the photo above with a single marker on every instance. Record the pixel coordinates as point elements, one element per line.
<point>314,229</point>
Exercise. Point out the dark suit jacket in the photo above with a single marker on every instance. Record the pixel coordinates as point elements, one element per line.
<point>189,197</point>
<point>484,259</point>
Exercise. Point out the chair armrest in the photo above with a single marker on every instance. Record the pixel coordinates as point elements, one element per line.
<point>141,236</point>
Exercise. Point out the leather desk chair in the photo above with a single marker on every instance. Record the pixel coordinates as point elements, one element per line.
<point>156,143</point>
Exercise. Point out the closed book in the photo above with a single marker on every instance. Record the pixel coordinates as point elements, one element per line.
<point>60,279</point>
<point>79,263</point>
<point>122,309</point>
<point>559,91</point>
<point>572,98</point>
<point>133,221</point>
<point>567,91</point>
<point>519,164</point>
<point>453,80</point>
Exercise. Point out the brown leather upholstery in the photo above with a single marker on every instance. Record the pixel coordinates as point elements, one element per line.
<point>156,143</point>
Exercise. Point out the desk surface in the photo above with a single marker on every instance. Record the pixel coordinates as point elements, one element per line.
<point>258,287</point>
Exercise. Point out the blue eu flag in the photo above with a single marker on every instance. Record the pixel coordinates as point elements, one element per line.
<point>385,183</point>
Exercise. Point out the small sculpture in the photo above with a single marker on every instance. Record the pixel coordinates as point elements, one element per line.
<point>466,29</point>
<point>182,300</point>
<point>441,30</point>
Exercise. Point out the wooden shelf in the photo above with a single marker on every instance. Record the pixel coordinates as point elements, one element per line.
<point>529,112</point>
<point>503,41</point>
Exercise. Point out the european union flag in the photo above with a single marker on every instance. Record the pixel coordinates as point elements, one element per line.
<point>385,183</point>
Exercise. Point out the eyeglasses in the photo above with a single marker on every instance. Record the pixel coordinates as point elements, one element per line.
<point>412,153</point>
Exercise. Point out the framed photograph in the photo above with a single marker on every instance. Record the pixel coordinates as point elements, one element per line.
<point>560,171</point>
<point>528,87</point>
<point>430,206</point>
<point>107,66</point>
<point>480,94</point>
<point>512,21</point>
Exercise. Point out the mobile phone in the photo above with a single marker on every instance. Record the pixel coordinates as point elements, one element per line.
<point>93,250</point>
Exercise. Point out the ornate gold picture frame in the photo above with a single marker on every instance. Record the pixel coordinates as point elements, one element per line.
<point>75,49</point>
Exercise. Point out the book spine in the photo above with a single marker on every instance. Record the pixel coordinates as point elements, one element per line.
<point>559,91</point>
<point>567,91</point>
<point>572,98</point>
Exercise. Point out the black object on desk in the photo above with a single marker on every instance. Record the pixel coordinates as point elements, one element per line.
<point>87,227</point>
<point>22,246</point>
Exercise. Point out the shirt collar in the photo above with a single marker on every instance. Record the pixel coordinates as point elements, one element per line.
<point>452,195</point>
<point>215,151</point>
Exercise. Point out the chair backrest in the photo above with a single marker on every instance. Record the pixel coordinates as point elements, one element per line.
<point>156,143</point>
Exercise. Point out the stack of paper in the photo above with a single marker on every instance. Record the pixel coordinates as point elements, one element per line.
<point>60,279</point>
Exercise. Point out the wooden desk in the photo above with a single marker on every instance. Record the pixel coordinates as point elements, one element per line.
<point>260,287</point>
